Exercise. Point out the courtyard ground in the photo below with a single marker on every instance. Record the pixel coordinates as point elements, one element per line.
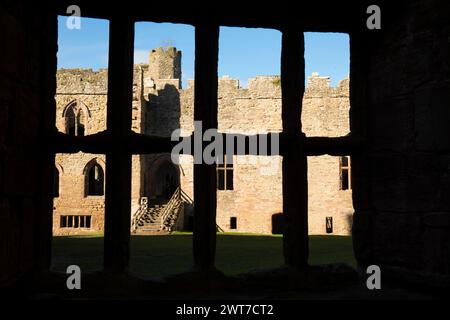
<point>161,255</point>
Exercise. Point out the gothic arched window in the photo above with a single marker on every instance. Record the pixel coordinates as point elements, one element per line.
<point>95,180</point>
<point>75,120</point>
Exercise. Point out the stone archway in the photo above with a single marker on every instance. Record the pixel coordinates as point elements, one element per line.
<point>76,115</point>
<point>163,178</point>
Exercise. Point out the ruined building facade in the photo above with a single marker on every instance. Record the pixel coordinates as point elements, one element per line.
<point>249,197</point>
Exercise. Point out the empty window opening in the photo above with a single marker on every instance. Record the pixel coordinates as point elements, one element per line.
<point>326,102</point>
<point>81,78</point>
<point>225,176</point>
<point>95,177</point>
<point>249,103</point>
<point>249,95</point>
<point>164,64</point>
<point>345,173</point>
<point>233,223</point>
<point>75,221</point>
<point>330,210</point>
<point>164,60</point>
<point>75,121</point>
<point>329,224</point>
<point>63,222</point>
<point>81,108</point>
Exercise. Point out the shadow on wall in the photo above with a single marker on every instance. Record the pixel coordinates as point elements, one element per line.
<point>350,222</point>
<point>163,112</point>
<point>278,223</point>
<point>189,217</point>
<point>162,178</point>
<point>349,219</point>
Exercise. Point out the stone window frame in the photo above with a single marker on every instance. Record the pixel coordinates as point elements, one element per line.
<point>225,169</point>
<point>75,221</point>
<point>119,143</point>
<point>342,169</point>
<point>86,171</point>
<point>79,110</point>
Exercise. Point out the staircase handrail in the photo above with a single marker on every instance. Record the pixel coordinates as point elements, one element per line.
<point>138,215</point>
<point>174,200</point>
<point>185,197</point>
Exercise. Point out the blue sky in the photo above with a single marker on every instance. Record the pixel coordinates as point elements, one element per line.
<point>243,53</point>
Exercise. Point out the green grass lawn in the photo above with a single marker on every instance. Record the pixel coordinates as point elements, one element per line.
<point>170,254</point>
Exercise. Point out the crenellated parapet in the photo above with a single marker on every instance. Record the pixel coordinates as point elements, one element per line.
<point>82,81</point>
<point>266,87</point>
<point>160,105</point>
<point>319,86</point>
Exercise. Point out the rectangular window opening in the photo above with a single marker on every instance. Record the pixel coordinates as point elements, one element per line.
<point>81,107</point>
<point>249,105</point>
<point>326,102</point>
<point>225,175</point>
<point>345,173</point>
<point>329,224</point>
<point>233,223</point>
<point>63,220</point>
<point>154,88</point>
<point>162,102</point>
<point>75,221</point>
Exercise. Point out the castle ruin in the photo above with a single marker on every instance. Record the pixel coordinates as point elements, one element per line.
<point>249,197</point>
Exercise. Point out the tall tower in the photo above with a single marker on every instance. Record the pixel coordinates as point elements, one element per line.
<point>165,64</point>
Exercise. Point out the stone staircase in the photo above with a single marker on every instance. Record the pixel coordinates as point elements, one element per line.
<point>158,218</point>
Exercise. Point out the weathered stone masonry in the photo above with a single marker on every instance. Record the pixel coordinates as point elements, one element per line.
<point>161,106</point>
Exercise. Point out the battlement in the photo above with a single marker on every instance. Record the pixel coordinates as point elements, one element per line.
<point>86,81</point>
<point>270,87</point>
<point>165,52</point>
<point>164,68</point>
<point>165,63</point>
<point>319,86</point>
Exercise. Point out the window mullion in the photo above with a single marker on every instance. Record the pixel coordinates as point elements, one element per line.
<point>294,169</point>
<point>205,177</point>
<point>118,162</point>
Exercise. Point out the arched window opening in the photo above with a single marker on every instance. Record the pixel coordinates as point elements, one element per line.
<point>70,121</point>
<point>95,183</point>
<point>163,179</point>
<point>75,121</point>
<point>80,124</point>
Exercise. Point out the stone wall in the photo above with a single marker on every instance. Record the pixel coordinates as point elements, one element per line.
<point>257,198</point>
<point>27,86</point>
<point>88,89</point>
<point>403,177</point>
<point>325,199</point>
<point>72,199</point>
<point>326,109</point>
